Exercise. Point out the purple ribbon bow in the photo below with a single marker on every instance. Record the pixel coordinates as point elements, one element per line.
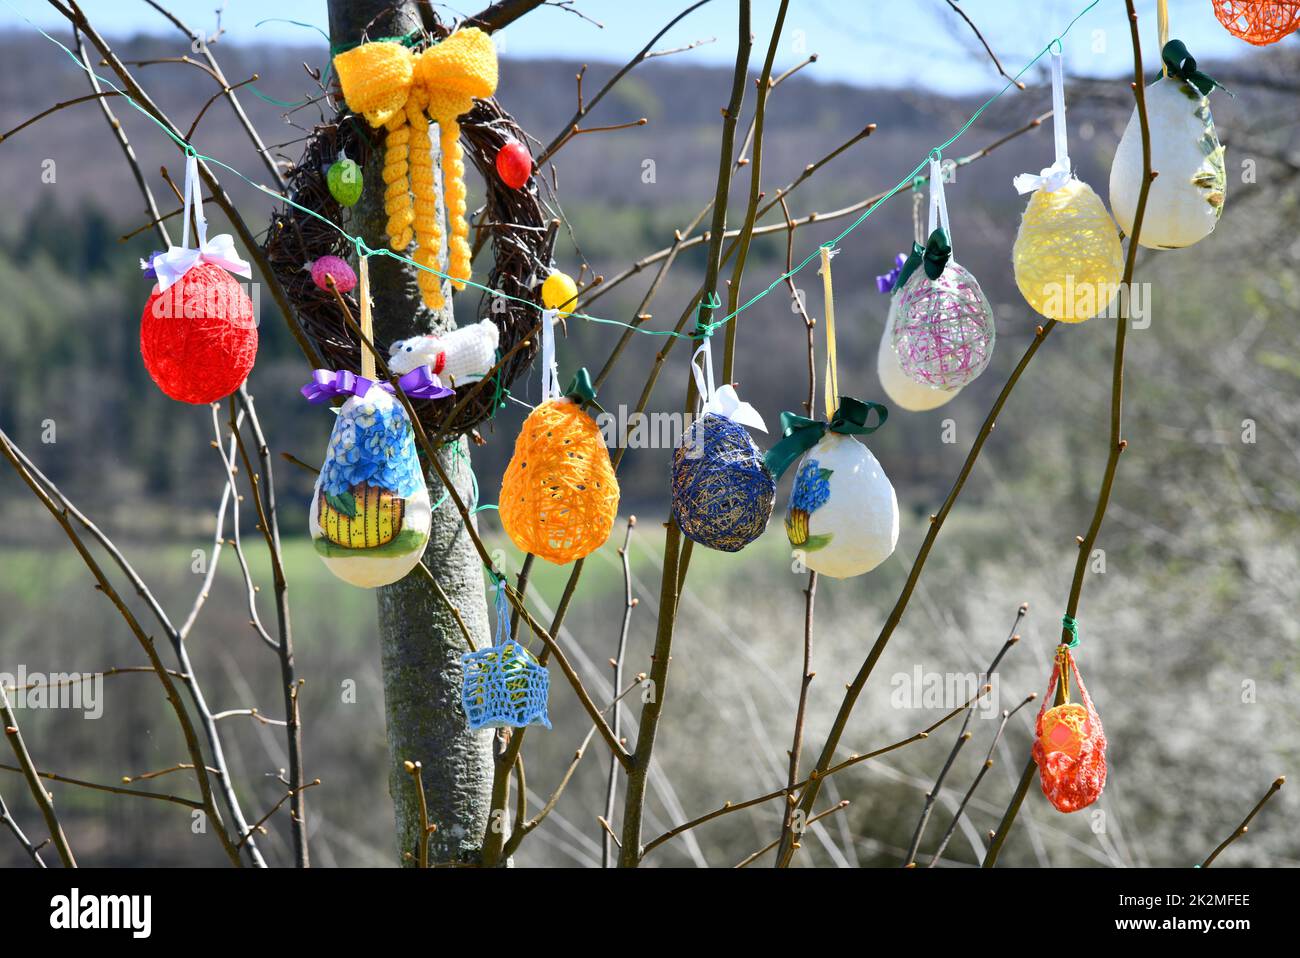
<point>885,283</point>
<point>327,384</point>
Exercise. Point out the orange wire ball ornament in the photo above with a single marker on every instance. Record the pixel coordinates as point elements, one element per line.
<point>1069,744</point>
<point>1260,22</point>
<point>559,496</point>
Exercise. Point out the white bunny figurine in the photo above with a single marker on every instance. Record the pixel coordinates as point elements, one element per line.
<point>464,355</point>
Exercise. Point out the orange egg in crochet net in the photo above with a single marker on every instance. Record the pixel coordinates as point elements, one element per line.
<point>559,496</point>
<point>1064,729</point>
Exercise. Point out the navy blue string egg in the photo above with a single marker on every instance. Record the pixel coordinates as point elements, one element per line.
<point>722,491</point>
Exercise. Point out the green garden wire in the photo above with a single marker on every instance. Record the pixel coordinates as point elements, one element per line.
<point>702,330</point>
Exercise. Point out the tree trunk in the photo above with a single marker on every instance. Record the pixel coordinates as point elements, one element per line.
<point>420,641</point>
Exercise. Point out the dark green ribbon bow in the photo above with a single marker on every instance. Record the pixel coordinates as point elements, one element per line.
<point>799,433</point>
<point>1182,65</point>
<point>933,255</point>
<point>581,390</point>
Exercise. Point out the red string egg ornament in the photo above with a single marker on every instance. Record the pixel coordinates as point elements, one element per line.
<point>345,181</point>
<point>1069,743</point>
<point>198,337</point>
<point>344,279</point>
<point>514,165</point>
<point>943,332</point>
<point>198,334</point>
<point>1260,22</point>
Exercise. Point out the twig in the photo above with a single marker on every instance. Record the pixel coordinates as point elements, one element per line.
<point>203,45</point>
<point>988,49</point>
<point>810,591</point>
<point>979,777</point>
<point>44,800</point>
<point>607,842</point>
<point>175,636</point>
<point>268,522</point>
<point>1245,823</point>
<point>54,109</point>
<point>146,642</point>
<point>750,859</point>
<point>114,789</point>
<point>962,738</point>
<point>8,821</point>
<point>585,108</point>
<point>855,759</point>
<point>502,14</point>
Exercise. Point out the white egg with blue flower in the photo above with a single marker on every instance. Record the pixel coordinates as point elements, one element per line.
<point>843,516</point>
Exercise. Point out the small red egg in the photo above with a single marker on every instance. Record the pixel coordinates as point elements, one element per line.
<point>514,164</point>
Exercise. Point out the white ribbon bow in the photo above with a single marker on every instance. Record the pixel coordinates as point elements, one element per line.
<point>1058,174</point>
<point>220,250</point>
<point>722,401</point>
<point>1050,179</point>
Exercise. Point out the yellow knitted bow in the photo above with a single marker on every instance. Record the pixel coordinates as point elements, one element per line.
<point>401,91</point>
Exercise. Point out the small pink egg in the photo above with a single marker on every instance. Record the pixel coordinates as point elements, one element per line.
<point>344,278</point>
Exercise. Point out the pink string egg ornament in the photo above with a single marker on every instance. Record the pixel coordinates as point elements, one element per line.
<point>326,266</point>
<point>943,333</point>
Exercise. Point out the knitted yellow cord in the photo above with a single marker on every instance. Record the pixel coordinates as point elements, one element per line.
<point>401,91</point>
<point>1067,255</point>
<point>559,497</point>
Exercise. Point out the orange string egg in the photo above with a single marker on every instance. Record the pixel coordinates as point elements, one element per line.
<point>559,496</point>
<point>1260,22</point>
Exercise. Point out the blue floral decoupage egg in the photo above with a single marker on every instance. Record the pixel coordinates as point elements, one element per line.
<point>843,516</point>
<point>370,514</point>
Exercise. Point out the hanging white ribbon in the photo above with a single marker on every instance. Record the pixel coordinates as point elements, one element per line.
<point>550,372</point>
<point>721,401</point>
<point>1052,178</point>
<point>938,201</point>
<point>220,250</point>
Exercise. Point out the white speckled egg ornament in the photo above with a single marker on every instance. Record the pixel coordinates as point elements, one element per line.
<point>1185,201</point>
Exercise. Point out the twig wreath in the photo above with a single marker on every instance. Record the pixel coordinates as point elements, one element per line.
<point>517,222</point>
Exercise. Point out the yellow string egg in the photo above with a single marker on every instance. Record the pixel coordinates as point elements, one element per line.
<point>1067,256</point>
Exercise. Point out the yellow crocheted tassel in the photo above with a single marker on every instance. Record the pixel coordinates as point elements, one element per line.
<point>397,190</point>
<point>455,195</point>
<point>401,92</point>
<point>428,228</point>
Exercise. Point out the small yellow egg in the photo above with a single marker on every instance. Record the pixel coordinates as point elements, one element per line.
<point>1068,259</point>
<point>560,292</point>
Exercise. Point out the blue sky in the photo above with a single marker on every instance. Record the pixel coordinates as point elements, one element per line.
<point>858,41</point>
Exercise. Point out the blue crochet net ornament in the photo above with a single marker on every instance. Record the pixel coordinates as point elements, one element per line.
<point>505,686</point>
<point>722,492</point>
